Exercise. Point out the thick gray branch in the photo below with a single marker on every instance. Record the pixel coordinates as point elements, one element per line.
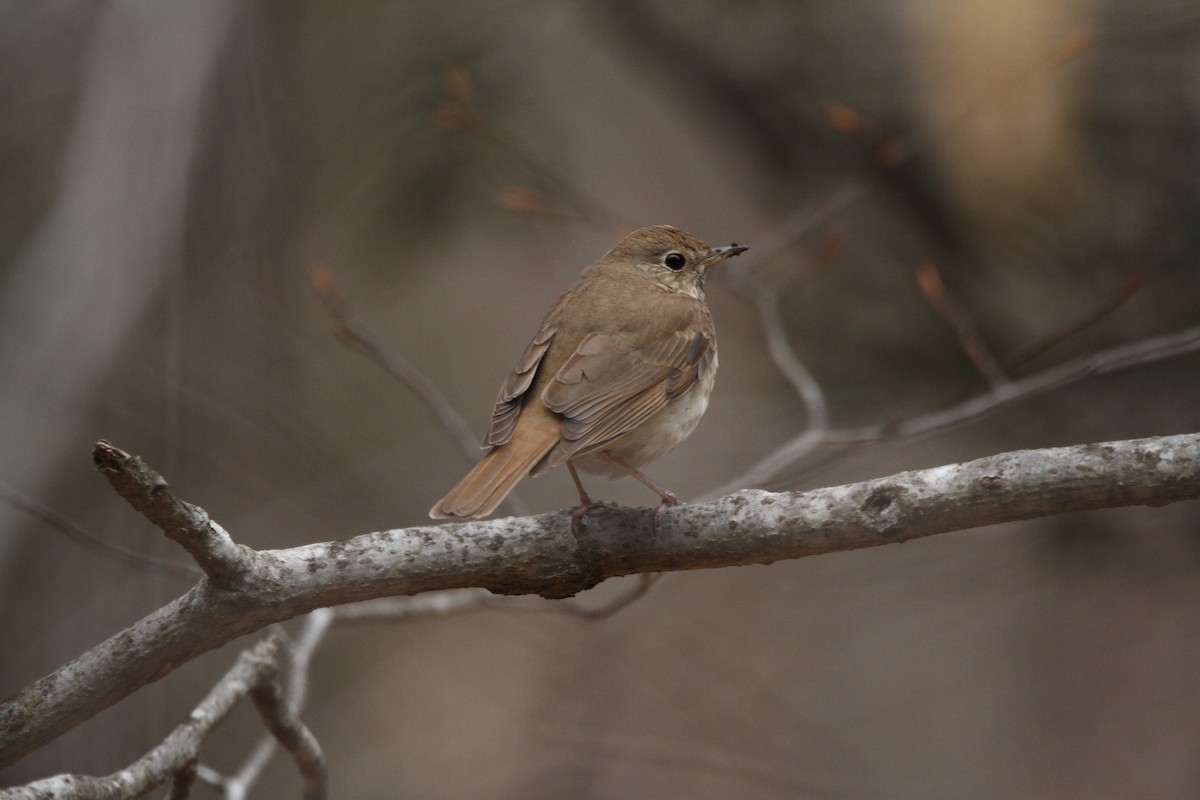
<point>543,555</point>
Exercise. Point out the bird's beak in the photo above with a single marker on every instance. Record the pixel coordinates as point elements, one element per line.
<point>722,253</point>
<point>731,250</point>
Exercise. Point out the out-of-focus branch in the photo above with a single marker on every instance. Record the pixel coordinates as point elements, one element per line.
<point>551,556</point>
<point>1146,351</point>
<point>175,758</point>
<point>929,280</point>
<point>569,199</point>
<point>354,334</point>
<point>1126,356</point>
<point>89,540</point>
<point>779,348</point>
<point>754,118</point>
<point>888,152</point>
<point>295,670</point>
<point>181,784</point>
<point>1126,290</point>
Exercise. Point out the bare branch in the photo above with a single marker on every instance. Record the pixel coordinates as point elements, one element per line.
<point>805,219</point>
<point>181,784</point>
<point>450,601</point>
<point>788,363</point>
<point>1117,358</point>
<point>189,525</point>
<point>645,581</point>
<point>459,111</point>
<point>1146,351</point>
<point>1124,292</point>
<point>961,322</point>
<point>287,728</point>
<point>299,658</point>
<point>354,334</point>
<point>175,758</point>
<point>93,542</point>
<point>546,555</point>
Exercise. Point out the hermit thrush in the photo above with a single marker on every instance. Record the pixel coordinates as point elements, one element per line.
<point>619,373</point>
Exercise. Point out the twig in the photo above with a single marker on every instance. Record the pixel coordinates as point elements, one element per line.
<point>752,116</point>
<point>1146,351</point>
<point>181,783</point>
<point>450,601</point>
<point>803,383</point>
<point>299,658</point>
<point>89,540</point>
<point>961,322</point>
<point>805,219</point>
<point>459,111</point>
<point>293,736</point>
<point>891,154</point>
<point>644,583</point>
<point>1127,290</point>
<point>353,333</point>
<point>189,525</point>
<point>1117,358</point>
<point>779,348</point>
<point>175,758</point>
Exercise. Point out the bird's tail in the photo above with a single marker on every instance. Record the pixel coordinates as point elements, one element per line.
<point>486,486</point>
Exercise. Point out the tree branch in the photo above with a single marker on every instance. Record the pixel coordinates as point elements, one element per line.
<point>544,555</point>
<point>175,758</point>
<point>189,525</point>
<point>1114,359</point>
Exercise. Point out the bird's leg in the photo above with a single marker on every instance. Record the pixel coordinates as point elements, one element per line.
<point>586,503</point>
<point>668,497</point>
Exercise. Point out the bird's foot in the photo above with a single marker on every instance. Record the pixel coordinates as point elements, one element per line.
<point>586,504</point>
<point>669,500</point>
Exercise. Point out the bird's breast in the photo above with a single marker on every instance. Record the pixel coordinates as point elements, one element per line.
<point>661,433</point>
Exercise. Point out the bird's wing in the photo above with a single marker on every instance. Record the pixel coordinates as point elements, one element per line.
<point>512,394</point>
<point>607,388</point>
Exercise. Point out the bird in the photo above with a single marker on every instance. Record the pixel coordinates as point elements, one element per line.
<point>619,373</point>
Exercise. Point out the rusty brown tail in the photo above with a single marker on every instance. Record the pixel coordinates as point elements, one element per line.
<point>486,486</point>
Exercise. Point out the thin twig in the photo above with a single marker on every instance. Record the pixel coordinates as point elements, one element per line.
<point>89,540</point>
<point>933,288</point>
<point>1022,357</point>
<point>805,219</point>
<point>784,356</point>
<point>459,111</point>
<point>1146,351</point>
<point>641,587</point>
<point>450,601</point>
<point>299,654</point>
<point>352,332</point>
<point>891,154</point>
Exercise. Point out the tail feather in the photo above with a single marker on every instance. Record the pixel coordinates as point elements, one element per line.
<point>486,486</point>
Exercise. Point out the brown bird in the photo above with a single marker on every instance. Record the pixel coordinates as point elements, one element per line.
<point>619,373</point>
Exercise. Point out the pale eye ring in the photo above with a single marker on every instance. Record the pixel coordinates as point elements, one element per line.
<point>674,261</point>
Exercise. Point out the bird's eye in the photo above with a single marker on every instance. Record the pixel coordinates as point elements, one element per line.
<point>674,261</point>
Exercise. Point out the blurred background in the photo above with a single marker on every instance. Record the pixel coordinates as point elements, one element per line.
<point>171,173</point>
